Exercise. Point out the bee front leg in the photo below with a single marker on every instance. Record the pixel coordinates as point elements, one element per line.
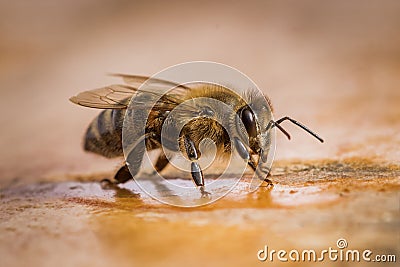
<point>244,154</point>
<point>261,173</point>
<point>197,173</point>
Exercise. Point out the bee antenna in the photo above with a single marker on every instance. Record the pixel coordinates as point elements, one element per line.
<point>276,123</point>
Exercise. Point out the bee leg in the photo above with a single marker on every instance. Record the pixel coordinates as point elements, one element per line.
<point>198,178</point>
<point>161,163</point>
<point>241,149</point>
<point>123,175</point>
<point>197,173</point>
<point>269,182</point>
<point>254,168</point>
<point>204,193</point>
<point>244,154</point>
<point>106,184</point>
<point>132,165</point>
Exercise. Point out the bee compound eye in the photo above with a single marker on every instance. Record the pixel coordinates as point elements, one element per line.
<point>249,122</point>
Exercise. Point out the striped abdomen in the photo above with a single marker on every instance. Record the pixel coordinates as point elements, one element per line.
<point>104,134</point>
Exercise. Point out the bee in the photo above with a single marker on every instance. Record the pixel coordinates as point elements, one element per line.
<point>249,124</point>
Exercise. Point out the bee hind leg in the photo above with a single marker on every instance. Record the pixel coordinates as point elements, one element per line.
<point>107,184</point>
<point>123,175</point>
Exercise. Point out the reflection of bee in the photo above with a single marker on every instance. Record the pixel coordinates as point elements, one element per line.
<point>251,115</point>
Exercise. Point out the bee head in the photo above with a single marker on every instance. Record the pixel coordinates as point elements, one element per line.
<point>252,118</point>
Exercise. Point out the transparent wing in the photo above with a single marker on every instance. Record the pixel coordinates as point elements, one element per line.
<point>118,97</point>
<point>154,83</point>
<point>110,97</point>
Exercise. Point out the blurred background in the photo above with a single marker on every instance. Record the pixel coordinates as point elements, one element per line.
<point>333,65</point>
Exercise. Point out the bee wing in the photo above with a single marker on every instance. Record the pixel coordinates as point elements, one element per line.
<point>118,97</point>
<point>110,97</point>
<point>137,80</point>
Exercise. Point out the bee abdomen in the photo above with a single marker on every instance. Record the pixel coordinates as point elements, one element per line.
<point>104,134</point>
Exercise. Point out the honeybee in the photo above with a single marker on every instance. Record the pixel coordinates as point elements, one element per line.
<point>249,124</point>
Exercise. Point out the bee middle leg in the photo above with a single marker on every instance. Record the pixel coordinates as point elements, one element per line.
<point>161,163</point>
<point>197,173</point>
